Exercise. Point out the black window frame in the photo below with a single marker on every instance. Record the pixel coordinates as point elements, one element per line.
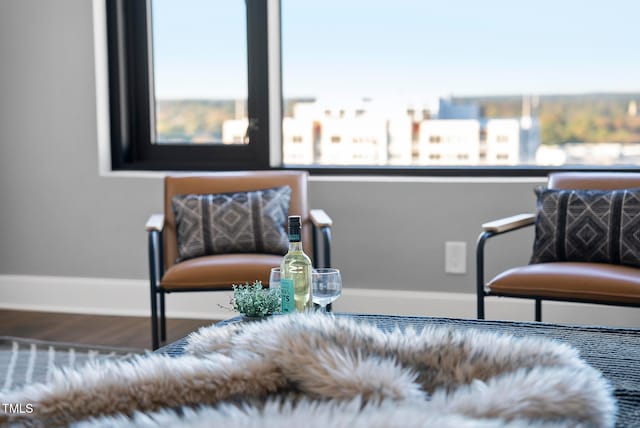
<point>130,92</point>
<point>130,86</point>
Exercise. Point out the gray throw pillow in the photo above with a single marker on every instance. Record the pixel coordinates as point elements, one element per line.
<point>588,226</point>
<point>242,222</point>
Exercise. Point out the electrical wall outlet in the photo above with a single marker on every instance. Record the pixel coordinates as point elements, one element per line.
<point>455,257</point>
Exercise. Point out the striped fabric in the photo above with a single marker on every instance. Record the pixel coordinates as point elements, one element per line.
<point>24,361</point>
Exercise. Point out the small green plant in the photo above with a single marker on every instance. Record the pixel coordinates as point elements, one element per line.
<point>253,300</point>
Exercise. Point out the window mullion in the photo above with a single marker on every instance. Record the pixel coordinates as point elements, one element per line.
<point>274,38</point>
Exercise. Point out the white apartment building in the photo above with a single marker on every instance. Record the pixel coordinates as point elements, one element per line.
<point>364,133</point>
<point>353,140</point>
<point>234,131</point>
<point>400,139</point>
<point>338,135</point>
<point>449,142</point>
<point>298,141</point>
<point>605,154</point>
<point>502,144</point>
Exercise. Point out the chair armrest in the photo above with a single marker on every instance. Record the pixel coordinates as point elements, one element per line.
<point>494,228</point>
<point>320,218</point>
<point>509,223</point>
<point>155,222</point>
<point>321,221</point>
<point>154,227</point>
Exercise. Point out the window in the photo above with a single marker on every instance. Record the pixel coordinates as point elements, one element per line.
<point>188,84</point>
<point>567,81</point>
<point>199,99</point>
<point>195,84</point>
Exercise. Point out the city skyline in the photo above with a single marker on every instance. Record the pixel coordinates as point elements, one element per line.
<point>504,130</point>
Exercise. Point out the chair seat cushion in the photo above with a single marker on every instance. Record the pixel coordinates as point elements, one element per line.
<point>571,280</point>
<point>220,271</point>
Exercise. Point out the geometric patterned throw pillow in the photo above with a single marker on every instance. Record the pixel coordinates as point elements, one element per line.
<point>587,226</point>
<point>242,222</point>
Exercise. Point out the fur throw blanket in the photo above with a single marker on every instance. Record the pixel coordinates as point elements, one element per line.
<point>317,370</point>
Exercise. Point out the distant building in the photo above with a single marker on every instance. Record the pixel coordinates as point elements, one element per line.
<point>339,135</point>
<point>449,110</point>
<point>449,142</point>
<point>298,141</point>
<point>400,135</point>
<point>234,131</point>
<point>550,155</point>
<point>502,143</point>
<point>581,153</point>
<point>353,140</point>
<point>365,133</point>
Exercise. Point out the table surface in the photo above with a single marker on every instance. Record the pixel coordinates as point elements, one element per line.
<point>613,351</point>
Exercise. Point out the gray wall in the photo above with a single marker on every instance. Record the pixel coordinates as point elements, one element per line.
<point>59,217</point>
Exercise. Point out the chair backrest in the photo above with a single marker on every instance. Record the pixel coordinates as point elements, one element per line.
<point>594,180</point>
<point>228,182</point>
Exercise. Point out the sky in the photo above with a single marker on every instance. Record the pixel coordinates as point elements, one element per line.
<point>408,51</point>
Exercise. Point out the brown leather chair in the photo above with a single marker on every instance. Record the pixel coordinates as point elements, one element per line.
<point>584,282</point>
<point>219,272</point>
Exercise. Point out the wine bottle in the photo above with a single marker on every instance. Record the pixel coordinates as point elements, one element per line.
<point>295,272</point>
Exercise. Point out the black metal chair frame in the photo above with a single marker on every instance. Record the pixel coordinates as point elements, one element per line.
<point>482,293</point>
<point>156,271</point>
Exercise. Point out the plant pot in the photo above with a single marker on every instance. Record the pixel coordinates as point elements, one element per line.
<point>246,318</point>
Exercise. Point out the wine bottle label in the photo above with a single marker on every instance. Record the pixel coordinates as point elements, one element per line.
<point>294,237</point>
<point>286,293</point>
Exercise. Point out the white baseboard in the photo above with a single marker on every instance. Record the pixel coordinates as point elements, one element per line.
<point>106,296</point>
<point>103,296</point>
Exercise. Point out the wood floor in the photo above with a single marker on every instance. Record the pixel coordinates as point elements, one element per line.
<point>129,332</point>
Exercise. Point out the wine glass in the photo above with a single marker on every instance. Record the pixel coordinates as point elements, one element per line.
<point>326,286</point>
<point>274,281</point>
<point>274,278</point>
